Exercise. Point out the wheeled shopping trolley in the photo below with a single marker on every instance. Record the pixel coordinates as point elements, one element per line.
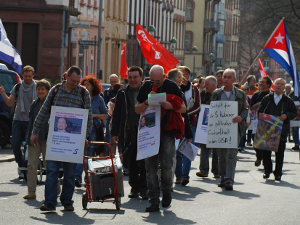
<point>104,178</point>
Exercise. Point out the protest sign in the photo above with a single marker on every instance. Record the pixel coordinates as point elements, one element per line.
<point>268,132</point>
<point>221,131</point>
<point>149,132</point>
<point>67,134</point>
<point>201,131</point>
<point>155,99</point>
<point>188,149</point>
<point>296,122</point>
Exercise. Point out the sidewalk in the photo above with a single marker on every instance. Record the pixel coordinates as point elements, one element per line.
<point>6,154</point>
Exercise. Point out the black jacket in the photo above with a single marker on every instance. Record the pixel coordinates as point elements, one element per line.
<point>285,106</point>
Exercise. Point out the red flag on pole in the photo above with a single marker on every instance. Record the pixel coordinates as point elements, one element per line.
<point>263,73</point>
<point>123,67</point>
<point>153,51</point>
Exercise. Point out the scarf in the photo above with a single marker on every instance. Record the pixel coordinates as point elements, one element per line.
<point>185,88</point>
<point>24,88</point>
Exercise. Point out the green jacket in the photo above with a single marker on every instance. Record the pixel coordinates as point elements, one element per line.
<point>241,98</point>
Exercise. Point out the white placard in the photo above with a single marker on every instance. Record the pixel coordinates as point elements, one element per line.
<point>201,131</point>
<point>67,134</point>
<point>221,131</point>
<point>155,99</point>
<point>296,121</point>
<point>254,126</point>
<point>149,133</point>
<point>188,149</point>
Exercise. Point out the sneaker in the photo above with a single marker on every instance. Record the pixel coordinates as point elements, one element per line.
<point>69,207</point>
<point>166,200</point>
<point>222,183</point>
<point>201,174</point>
<point>47,207</point>
<point>178,181</point>
<point>184,181</point>
<point>77,183</point>
<point>30,195</point>
<point>257,163</point>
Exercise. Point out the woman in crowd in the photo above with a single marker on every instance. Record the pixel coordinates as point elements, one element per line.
<point>99,112</point>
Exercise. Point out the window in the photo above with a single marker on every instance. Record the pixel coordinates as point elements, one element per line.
<point>189,13</point>
<point>187,42</point>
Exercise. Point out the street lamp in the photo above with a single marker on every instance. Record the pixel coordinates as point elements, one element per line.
<point>195,49</point>
<point>212,59</point>
<point>173,42</point>
<point>151,30</point>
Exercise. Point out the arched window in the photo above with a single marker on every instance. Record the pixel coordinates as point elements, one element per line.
<point>189,12</point>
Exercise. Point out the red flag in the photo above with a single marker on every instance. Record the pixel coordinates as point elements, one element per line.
<point>123,67</point>
<point>153,51</point>
<point>263,73</point>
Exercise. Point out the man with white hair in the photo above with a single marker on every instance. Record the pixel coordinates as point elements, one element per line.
<point>159,84</point>
<point>228,157</point>
<point>277,104</point>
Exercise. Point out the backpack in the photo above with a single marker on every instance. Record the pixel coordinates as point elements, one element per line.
<point>56,89</point>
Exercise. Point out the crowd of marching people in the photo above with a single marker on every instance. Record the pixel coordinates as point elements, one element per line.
<point>121,106</point>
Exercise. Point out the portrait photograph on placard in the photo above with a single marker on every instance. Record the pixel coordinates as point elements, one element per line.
<point>68,125</point>
<point>268,132</point>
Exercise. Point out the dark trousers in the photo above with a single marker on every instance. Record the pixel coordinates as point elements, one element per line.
<point>278,159</point>
<point>249,136</point>
<point>257,151</point>
<point>137,170</point>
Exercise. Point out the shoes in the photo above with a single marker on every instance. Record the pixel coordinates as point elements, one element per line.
<point>240,149</point>
<point>249,144</point>
<point>216,175</point>
<point>30,195</point>
<point>201,174</point>
<point>266,175</point>
<point>166,200</point>
<point>178,181</point>
<point>257,163</point>
<point>69,207</point>
<point>296,147</point>
<point>278,178</point>
<point>58,187</point>
<point>229,186</point>
<point>144,195</point>
<point>77,183</point>
<point>152,208</point>
<point>222,183</point>
<point>47,207</point>
<point>184,181</point>
<point>133,194</point>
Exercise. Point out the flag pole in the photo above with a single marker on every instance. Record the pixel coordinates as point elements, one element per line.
<point>261,51</point>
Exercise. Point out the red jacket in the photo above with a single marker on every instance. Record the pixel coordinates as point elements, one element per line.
<point>175,122</point>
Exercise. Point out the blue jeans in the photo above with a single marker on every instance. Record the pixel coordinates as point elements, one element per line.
<point>52,168</point>
<point>296,135</point>
<point>19,129</point>
<point>183,164</point>
<point>107,135</point>
<point>165,157</point>
<point>90,151</point>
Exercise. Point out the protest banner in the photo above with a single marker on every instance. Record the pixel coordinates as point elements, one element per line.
<point>188,149</point>
<point>201,131</point>
<point>67,134</point>
<point>221,131</point>
<point>268,132</point>
<point>149,132</point>
<point>296,122</point>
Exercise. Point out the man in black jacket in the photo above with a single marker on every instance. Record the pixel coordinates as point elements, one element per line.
<point>125,128</point>
<point>277,104</point>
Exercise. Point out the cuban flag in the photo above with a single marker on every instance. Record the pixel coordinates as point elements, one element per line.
<point>280,49</point>
<point>9,53</point>
<point>263,73</point>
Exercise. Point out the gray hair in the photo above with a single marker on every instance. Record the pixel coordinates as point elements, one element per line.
<point>114,76</point>
<point>229,70</point>
<point>288,85</point>
<point>157,69</point>
<point>212,80</point>
<point>278,79</point>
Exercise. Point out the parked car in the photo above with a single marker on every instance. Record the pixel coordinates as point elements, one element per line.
<point>8,79</point>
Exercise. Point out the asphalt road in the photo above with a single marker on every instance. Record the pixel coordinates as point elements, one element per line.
<point>253,201</point>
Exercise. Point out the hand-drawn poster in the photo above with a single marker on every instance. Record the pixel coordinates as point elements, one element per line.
<point>67,133</point>
<point>268,132</point>
<point>296,122</point>
<point>149,133</point>
<point>201,130</point>
<point>221,131</point>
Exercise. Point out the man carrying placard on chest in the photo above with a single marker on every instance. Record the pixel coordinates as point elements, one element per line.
<point>228,157</point>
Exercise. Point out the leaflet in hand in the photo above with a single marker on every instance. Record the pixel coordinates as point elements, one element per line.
<point>155,99</point>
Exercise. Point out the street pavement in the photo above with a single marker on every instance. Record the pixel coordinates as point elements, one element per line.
<point>253,200</point>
